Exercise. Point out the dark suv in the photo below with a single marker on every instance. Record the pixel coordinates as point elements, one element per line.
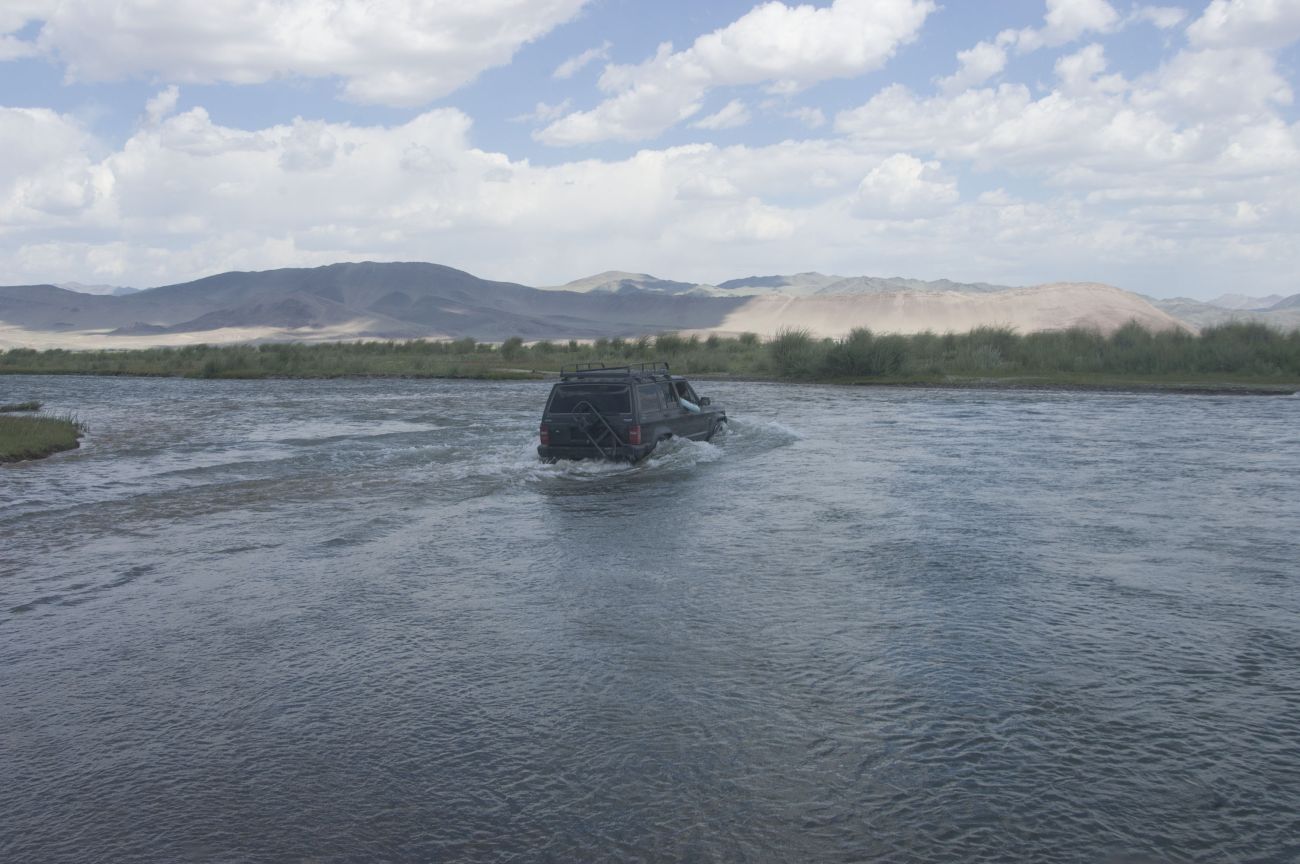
<point>622,412</point>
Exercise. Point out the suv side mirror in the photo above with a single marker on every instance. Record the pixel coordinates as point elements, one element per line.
<point>706,401</point>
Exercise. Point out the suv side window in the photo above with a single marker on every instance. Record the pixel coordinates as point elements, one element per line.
<point>670,398</point>
<point>649,397</point>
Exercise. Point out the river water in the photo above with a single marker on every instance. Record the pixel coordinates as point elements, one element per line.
<point>329,621</point>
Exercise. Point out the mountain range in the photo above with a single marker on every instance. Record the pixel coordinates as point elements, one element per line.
<point>420,300</point>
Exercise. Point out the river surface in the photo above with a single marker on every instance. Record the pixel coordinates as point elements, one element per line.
<point>336,621</point>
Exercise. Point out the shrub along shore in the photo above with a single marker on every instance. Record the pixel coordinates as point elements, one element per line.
<point>1232,357</point>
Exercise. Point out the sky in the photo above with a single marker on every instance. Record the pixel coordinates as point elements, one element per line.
<point>1152,147</point>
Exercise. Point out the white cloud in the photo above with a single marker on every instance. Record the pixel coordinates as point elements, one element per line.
<point>784,46</point>
<point>15,49</point>
<point>1065,21</point>
<point>395,52</point>
<point>705,186</point>
<point>813,118</point>
<point>1216,83</point>
<point>1163,17</point>
<point>1119,185</point>
<point>977,65</point>
<point>1268,24</point>
<point>161,105</point>
<point>904,187</point>
<point>732,115</point>
<point>544,112</point>
<point>16,14</point>
<point>574,64</point>
<point>1081,72</point>
<point>48,175</point>
<point>1205,124</point>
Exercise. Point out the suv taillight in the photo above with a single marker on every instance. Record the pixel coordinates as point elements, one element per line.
<point>634,434</point>
<point>545,435</point>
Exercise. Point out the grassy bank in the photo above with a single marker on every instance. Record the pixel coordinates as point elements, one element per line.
<point>1229,356</point>
<point>36,437</point>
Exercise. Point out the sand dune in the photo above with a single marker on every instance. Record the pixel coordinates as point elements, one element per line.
<point>1044,307</point>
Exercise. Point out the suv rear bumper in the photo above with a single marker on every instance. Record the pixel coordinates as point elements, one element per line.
<point>624,453</point>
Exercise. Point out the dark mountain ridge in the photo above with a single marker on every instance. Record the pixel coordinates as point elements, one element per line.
<point>377,300</point>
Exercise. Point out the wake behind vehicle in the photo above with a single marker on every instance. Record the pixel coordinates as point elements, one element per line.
<point>622,412</point>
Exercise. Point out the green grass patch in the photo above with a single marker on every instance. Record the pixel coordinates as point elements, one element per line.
<point>36,437</point>
<point>20,406</point>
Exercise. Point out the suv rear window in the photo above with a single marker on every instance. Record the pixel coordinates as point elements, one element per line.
<point>605,398</point>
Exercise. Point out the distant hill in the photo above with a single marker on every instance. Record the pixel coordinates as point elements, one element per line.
<point>1283,314</point>
<point>798,284</point>
<point>1241,302</point>
<point>616,281</point>
<point>417,300</point>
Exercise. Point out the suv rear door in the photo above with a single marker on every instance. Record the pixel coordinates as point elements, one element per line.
<point>612,401</point>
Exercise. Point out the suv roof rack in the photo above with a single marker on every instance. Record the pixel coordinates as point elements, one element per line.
<point>600,370</point>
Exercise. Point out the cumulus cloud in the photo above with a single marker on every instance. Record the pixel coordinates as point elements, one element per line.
<point>732,115</point>
<point>394,52</point>
<point>787,47</point>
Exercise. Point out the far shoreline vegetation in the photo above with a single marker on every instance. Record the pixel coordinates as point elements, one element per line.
<point>23,438</point>
<point>1235,357</point>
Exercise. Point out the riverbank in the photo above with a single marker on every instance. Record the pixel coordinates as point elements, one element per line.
<point>1235,358</point>
<point>23,438</point>
<point>1202,386</point>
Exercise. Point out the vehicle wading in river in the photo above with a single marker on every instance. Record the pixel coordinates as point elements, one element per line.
<point>622,412</point>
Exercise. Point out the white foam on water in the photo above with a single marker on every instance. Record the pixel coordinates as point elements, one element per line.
<point>678,453</point>
<point>517,463</point>
<point>750,436</point>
